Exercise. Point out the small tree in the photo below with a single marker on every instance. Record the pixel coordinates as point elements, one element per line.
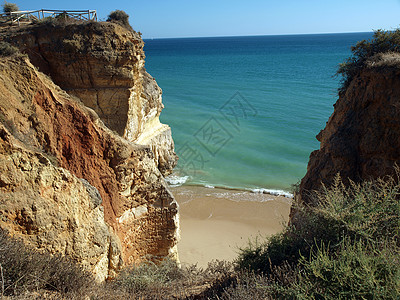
<point>120,17</point>
<point>9,7</point>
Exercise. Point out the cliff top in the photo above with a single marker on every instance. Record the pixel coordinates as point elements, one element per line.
<point>369,54</point>
<point>68,25</point>
<point>13,16</point>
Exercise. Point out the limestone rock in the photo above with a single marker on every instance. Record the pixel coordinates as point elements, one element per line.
<point>103,65</point>
<point>51,208</point>
<point>67,181</point>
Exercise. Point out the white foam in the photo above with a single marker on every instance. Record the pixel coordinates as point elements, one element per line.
<point>273,192</point>
<point>174,180</point>
<point>209,186</point>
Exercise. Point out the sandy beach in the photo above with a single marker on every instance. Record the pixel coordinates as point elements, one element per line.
<point>215,223</point>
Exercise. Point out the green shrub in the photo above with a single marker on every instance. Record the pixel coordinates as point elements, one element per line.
<point>252,286</point>
<point>358,270</point>
<point>368,210</point>
<point>7,50</point>
<point>382,41</point>
<point>9,7</point>
<point>346,246</point>
<point>262,257</point>
<point>120,17</point>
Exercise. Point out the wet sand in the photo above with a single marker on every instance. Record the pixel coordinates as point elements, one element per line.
<point>215,223</point>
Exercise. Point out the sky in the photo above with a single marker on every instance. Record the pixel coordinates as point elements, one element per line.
<point>191,18</point>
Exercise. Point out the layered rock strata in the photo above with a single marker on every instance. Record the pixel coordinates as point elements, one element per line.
<point>361,140</point>
<point>103,65</point>
<point>70,185</point>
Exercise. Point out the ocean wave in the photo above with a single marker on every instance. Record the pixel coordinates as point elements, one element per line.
<point>273,192</point>
<point>209,186</point>
<point>174,180</point>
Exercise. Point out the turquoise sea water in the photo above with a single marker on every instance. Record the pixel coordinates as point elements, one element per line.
<point>244,111</point>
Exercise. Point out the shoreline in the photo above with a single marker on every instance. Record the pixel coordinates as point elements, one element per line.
<point>175,181</point>
<point>216,222</point>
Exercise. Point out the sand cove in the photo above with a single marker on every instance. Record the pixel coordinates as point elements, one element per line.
<point>215,223</point>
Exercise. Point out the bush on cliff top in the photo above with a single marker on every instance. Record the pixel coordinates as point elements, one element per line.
<point>7,50</point>
<point>382,42</point>
<point>120,17</point>
<point>9,7</point>
<point>347,246</point>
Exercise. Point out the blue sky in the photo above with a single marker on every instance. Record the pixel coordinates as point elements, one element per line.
<point>188,18</point>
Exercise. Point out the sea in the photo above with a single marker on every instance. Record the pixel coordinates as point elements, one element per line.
<point>245,111</point>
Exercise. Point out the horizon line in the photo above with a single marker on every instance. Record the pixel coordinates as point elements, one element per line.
<point>254,35</point>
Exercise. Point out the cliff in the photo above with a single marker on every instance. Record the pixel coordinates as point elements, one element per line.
<point>102,64</point>
<point>70,184</point>
<point>361,138</point>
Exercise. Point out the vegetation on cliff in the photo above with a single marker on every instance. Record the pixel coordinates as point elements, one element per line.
<point>383,41</point>
<point>24,270</point>
<point>26,273</point>
<point>347,246</point>
<point>9,7</point>
<point>7,50</point>
<point>120,17</point>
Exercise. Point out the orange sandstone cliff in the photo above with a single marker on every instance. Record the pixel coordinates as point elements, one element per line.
<point>102,64</point>
<point>361,139</point>
<point>82,163</point>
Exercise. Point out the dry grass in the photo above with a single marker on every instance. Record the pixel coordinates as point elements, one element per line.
<point>165,280</point>
<point>380,60</point>
<point>24,271</point>
<point>28,274</point>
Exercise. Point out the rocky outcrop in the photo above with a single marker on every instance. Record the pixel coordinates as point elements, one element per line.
<point>70,185</point>
<point>103,65</point>
<point>52,209</point>
<point>361,140</point>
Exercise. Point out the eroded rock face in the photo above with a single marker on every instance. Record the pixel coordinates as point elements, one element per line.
<point>362,137</point>
<point>52,209</point>
<point>103,65</point>
<point>70,185</point>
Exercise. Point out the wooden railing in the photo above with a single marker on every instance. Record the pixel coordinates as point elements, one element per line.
<point>28,16</point>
